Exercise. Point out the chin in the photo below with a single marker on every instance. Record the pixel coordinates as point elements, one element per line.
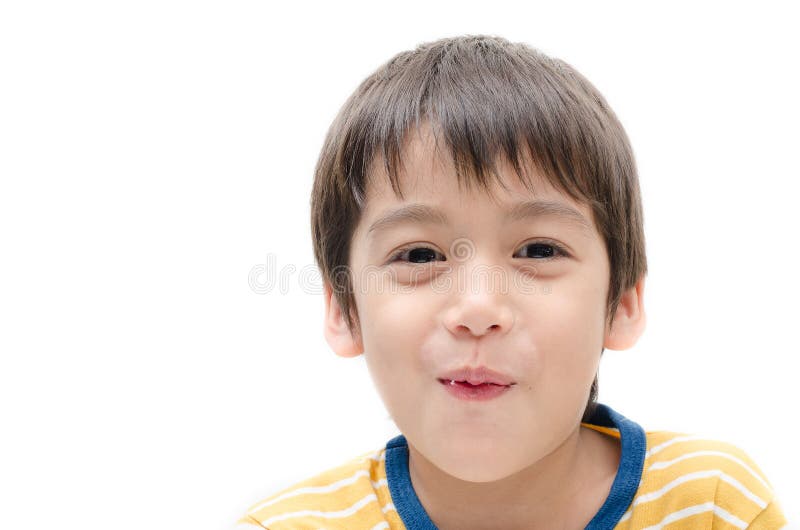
<point>490,470</point>
<point>478,466</point>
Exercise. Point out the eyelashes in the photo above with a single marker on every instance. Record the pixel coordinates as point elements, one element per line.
<point>539,250</point>
<point>416,254</point>
<point>550,248</point>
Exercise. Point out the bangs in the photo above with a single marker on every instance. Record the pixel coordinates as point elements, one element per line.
<point>482,103</point>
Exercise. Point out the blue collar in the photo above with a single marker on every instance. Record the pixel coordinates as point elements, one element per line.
<point>623,489</point>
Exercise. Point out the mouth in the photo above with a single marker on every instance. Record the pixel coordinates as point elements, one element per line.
<point>466,391</point>
<point>476,376</point>
<point>468,384</point>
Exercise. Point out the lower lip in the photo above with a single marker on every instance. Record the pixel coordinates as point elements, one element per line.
<point>469,392</point>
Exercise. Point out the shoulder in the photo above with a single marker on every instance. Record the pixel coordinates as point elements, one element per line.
<point>346,496</point>
<point>700,480</point>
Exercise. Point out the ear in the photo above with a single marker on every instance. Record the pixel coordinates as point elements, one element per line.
<point>338,335</point>
<point>629,319</point>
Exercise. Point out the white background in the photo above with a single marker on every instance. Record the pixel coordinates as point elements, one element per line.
<point>153,153</point>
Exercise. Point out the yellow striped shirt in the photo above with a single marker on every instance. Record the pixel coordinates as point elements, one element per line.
<point>664,480</point>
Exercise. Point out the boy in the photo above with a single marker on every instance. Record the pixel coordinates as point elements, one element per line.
<point>477,221</point>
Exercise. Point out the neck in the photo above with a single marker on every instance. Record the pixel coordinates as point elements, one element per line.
<point>583,467</point>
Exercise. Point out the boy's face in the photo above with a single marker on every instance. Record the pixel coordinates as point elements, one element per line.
<point>481,288</point>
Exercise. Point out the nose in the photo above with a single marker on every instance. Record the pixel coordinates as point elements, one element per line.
<point>479,312</point>
<point>478,319</point>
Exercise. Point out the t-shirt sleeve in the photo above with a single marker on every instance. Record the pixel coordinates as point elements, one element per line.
<point>770,518</point>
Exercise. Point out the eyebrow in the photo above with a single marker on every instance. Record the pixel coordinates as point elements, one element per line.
<point>421,213</point>
<point>541,208</point>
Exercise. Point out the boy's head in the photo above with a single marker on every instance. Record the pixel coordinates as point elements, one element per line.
<point>476,203</point>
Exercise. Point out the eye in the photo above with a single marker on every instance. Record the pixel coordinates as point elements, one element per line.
<point>417,255</point>
<point>542,250</point>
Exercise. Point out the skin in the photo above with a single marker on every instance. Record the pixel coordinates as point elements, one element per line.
<point>489,464</point>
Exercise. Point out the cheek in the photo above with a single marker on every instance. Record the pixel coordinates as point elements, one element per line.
<point>394,326</point>
<point>395,317</point>
<point>567,325</point>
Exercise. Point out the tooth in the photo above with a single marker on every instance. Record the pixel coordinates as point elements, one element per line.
<point>452,381</point>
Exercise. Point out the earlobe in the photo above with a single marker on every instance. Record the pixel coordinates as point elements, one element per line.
<point>338,335</point>
<point>629,319</point>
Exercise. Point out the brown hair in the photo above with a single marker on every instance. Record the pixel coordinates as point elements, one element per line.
<point>487,98</point>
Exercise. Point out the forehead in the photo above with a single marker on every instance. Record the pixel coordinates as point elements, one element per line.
<point>427,176</point>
